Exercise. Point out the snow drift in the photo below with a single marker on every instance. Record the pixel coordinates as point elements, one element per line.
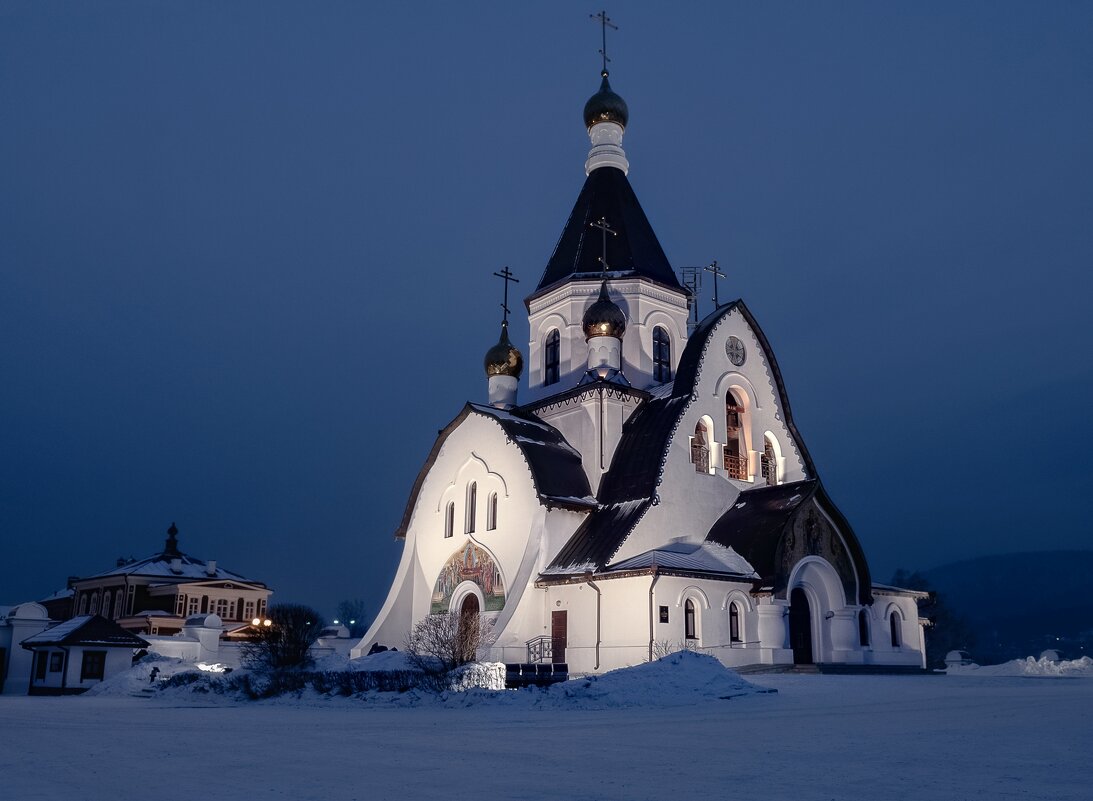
<point>1030,666</point>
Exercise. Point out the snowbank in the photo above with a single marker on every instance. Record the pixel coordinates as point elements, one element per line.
<point>1030,666</point>
<point>148,674</point>
<point>387,679</point>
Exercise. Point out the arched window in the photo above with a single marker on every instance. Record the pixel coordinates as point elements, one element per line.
<point>106,604</point>
<point>83,604</point>
<point>894,622</point>
<point>770,462</point>
<point>491,512</point>
<point>551,358</point>
<point>863,629</point>
<point>736,454</point>
<point>449,519</point>
<point>472,504</point>
<point>700,448</point>
<point>95,603</point>
<point>734,623</point>
<point>117,605</point>
<point>689,620</point>
<point>662,355</point>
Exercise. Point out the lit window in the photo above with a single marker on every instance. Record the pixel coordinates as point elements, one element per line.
<point>770,462</point>
<point>700,448</point>
<point>472,503</point>
<point>491,512</point>
<point>734,623</point>
<point>736,455</point>
<point>551,358</point>
<point>449,519</point>
<point>662,355</point>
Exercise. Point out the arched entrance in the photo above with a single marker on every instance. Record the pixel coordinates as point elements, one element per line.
<point>800,627</point>
<point>467,644</point>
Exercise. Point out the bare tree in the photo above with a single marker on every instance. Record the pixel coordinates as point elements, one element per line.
<point>353,615</point>
<point>284,643</point>
<point>440,643</point>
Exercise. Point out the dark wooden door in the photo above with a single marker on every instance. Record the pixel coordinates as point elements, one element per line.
<point>559,628</point>
<point>800,627</point>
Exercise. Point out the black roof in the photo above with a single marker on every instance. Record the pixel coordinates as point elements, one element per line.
<point>633,251</point>
<point>555,465</point>
<point>86,630</point>
<point>753,526</point>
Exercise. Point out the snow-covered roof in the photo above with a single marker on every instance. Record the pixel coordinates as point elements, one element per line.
<point>706,557</point>
<point>59,595</point>
<point>165,565</point>
<point>86,630</point>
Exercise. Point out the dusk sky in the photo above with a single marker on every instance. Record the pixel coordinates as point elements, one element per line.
<point>246,257</point>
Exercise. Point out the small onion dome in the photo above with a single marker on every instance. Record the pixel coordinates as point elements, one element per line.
<point>503,358</point>
<point>605,106</point>
<point>603,318</point>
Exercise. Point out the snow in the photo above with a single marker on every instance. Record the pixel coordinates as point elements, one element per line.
<point>1044,667</point>
<point>58,632</point>
<point>821,737</point>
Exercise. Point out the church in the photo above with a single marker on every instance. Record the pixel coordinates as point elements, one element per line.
<point>650,490</point>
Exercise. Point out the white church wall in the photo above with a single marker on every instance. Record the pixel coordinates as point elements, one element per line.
<point>477,452</point>
<point>645,305</point>
<point>690,501</point>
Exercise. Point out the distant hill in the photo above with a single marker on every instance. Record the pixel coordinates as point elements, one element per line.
<point>1019,604</point>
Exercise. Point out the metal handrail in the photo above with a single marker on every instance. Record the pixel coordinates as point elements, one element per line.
<point>540,649</point>
<point>736,466</point>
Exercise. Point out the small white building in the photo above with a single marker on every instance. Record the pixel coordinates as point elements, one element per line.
<point>654,493</point>
<point>16,624</point>
<point>73,656</point>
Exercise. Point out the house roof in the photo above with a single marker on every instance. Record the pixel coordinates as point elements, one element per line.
<point>555,466</point>
<point>633,250</point>
<point>160,565</point>
<point>86,630</point>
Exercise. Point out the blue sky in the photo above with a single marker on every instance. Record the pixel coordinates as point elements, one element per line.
<point>246,257</point>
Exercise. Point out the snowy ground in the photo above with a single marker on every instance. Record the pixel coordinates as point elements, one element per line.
<point>818,737</point>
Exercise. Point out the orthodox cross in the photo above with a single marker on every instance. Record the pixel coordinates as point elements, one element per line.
<point>506,276</point>
<point>605,23</point>
<point>713,268</point>
<point>604,226</point>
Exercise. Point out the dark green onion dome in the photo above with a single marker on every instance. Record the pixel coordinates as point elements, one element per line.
<point>605,106</point>
<point>603,318</point>
<point>503,358</point>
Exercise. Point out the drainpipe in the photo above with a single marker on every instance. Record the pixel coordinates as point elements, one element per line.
<point>599,596</point>
<point>652,630</point>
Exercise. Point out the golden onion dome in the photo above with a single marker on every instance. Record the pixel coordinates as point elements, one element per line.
<point>605,106</point>
<point>603,318</point>
<point>503,358</point>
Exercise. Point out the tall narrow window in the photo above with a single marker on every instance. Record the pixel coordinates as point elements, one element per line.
<point>894,623</point>
<point>449,519</point>
<point>770,462</point>
<point>106,604</point>
<point>689,620</point>
<point>736,456</point>
<point>83,604</point>
<point>472,503</point>
<point>863,629</point>
<point>700,448</point>
<point>491,512</point>
<point>662,355</point>
<point>95,603</point>
<point>551,358</point>
<point>734,623</point>
<point>118,605</point>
